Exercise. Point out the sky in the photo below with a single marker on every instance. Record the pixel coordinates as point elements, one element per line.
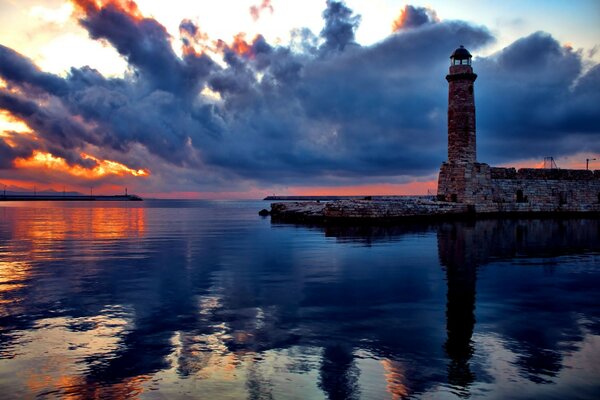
<point>242,99</point>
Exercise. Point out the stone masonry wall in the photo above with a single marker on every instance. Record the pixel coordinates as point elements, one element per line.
<point>538,190</point>
<point>493,189</point>
<point>464,183</point>
<point>461,115</point>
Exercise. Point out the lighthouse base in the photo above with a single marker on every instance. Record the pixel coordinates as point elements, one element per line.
<point>464,183</point>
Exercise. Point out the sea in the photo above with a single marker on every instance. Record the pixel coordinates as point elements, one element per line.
<point>184,299</point>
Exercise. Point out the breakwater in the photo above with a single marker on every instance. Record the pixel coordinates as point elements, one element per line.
<point>412,207</point>
<point>393,208</point>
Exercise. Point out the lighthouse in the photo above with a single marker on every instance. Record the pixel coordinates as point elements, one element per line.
<point>461,109</point>
<point>456,174</point>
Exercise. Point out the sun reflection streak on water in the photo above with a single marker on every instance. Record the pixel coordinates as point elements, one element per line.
<point>396,381</point>
<point>43,234</point>
<point>56,224</point>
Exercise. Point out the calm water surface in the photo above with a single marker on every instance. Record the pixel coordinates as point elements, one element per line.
<point>183,299</point>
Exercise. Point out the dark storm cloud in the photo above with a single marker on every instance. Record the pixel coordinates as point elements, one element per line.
<point>534,100</point>
<point>581,112</point>
<point>146,45</point>
<point>188,26</point>
<point>15,68</point>
<point>322,110</point>
<point>58,132</point>
<point>9,153</point>
<point>340,24</point>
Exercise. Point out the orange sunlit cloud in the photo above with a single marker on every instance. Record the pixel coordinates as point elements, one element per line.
<point>405,15</point>
<point>400,21</point>
<point>189,49</point>
<point>9,123</point>
<point>194,44</point>
<point>195,41</point>
<point>5,86</point>
<point>128,7</point>
<point>239,45</point>
<point>102,168</point>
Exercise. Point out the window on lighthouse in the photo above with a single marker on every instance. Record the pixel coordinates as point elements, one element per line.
<point>456,61</point>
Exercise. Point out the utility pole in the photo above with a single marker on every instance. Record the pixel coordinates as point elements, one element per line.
<point>91,192</point>
<point>587,162</point>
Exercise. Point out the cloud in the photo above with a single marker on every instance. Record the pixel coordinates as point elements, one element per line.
<point>535,100</point>
<point>9,153</point>
<point>323,110</point>
<point>413,17</point>
<point>59,134</point>
<point>144,43</point>
<point>21,71</point>
<point>340,25</point>
<point>256,10</point>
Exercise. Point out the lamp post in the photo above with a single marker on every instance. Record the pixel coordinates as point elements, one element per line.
<point>587,162</point>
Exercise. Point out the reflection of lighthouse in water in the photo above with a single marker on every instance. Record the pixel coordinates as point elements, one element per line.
<point>460,267</point>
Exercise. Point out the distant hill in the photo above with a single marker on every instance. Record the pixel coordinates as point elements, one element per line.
<point>42,192</point>
<point>18,191</point>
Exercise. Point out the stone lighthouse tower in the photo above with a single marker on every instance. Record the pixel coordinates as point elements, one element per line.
<point>461,108</point>
<point>456,175</point>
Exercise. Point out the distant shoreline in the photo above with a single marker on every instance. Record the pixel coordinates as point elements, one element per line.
<point>45,197</point>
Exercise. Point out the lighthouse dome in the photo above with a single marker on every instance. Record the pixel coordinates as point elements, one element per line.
<point>461,56</point>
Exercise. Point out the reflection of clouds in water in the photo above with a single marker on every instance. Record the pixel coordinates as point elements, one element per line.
<point>239,373</point>
<point>228,306</point>
<point>50,353</point>
<point>580,369</point>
